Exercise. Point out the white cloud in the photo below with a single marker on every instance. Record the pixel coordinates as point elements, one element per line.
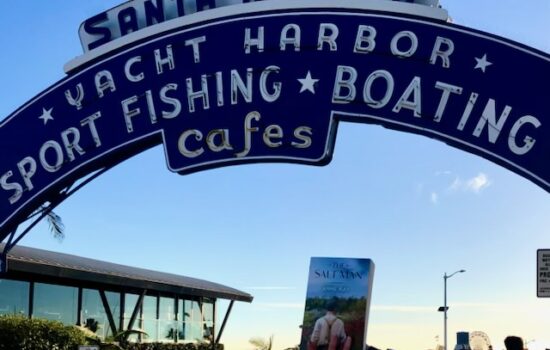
<point>456,185</point>
<point>475,184</point>
<point>508,307</point>
<point>478,183</point>
<point>525,307</point>
<point>278,305</point>
<point>270,288</point>
<point>444,188</point>
<point>404,308</point>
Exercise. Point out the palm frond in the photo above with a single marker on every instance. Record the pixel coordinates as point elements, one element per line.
<point>259,343</point>
<point>262,344</point>
<point>57,228</point>
<point>123,335</point>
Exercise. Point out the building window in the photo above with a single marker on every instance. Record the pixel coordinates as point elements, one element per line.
<point>208,320</point>
<point>130,303</point>
<point>55,302</point>
<point>167,319</point>
<point>190,321</point>
<point>94,316</point>
<point>14,297</point>
<point>149,321</point>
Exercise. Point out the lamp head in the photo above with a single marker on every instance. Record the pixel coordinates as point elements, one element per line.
<point>452,274</point>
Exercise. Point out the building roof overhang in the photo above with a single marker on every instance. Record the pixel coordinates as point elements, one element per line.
<point>72,269</point>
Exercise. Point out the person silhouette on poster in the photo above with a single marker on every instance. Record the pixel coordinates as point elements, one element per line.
<point>329,332</point>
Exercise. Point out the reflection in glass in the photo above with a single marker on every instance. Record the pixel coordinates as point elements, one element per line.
<point>130,302</point>
<point>94,316</point>
<point>149,318</point>
<point>167,317</point>
<point>180,318</point>
<point>194,321</point>
<point>208,319</point>
<point>189,321</point>
<point>113,299</point>
<point>55,302</point>
<point>14,297</point>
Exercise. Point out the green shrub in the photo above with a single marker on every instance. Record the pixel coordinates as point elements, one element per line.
<point>22,333</point>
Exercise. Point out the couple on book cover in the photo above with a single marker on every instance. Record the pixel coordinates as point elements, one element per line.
<point>329,333</point>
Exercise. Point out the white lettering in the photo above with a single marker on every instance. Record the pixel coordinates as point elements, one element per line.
<point>107,84</point>
<point>413,90</point>
<point>219,89</point>
<point>361,39</point>
<point>193,95</point>
<point>195,44</point>
<point>237,85</point>
<point>294,40</point>
<point>129,113</point>
<point>447,90</point>
<point>224,137</point>
<point>276,85</point>
<point>168,60</point>
<point>90,121</point>
<point>367,95</point>
<point>467,110</point>
<point>344,83</point>
<point>75,101</point>
<point>151,106</point>
<point>303,134</point>
<point>11,186</point>
<point>438,52</point>
<point>175,103</point>
<point>329,38</point>
<point>489,117</point>
<point>58,151</point>
<point>528,141</point>
<point>273,132</point>
<point>127,70</point>
<point>71,146</point>
<point>396,51</point>
<point>27,168</point>
<point>183,148</point>
<point>248,130</point>
<point>258,41</point>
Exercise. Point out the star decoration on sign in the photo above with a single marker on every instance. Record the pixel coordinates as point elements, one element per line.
<point>46,115</point>
<point>482,63</point>
<point>308,83</point>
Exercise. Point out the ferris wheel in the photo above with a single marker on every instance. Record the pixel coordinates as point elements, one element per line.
<point>480,341</point>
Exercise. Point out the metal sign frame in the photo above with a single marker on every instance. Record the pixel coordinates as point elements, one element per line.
<point>290,72</point>
<point>543,273</point>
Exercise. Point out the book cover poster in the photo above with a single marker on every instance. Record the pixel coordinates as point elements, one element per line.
<point>337,304</point>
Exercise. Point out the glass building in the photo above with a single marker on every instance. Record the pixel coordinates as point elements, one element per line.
<point>107,298</point>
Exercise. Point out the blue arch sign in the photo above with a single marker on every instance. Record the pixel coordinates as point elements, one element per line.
<point>271,85</point>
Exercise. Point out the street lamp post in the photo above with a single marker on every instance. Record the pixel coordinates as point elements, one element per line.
<point>445,278</point>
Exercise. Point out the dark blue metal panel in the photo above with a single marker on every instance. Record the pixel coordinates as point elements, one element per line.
<point>271,87</point>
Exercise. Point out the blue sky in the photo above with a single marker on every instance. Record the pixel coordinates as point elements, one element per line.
<point>417,207</point>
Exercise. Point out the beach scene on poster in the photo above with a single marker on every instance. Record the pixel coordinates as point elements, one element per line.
<point>337,303</point>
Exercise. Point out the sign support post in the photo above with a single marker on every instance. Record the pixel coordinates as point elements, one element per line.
<point>3,263</point>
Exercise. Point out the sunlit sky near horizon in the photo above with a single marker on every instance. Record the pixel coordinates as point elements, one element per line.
<point>417,207</point>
